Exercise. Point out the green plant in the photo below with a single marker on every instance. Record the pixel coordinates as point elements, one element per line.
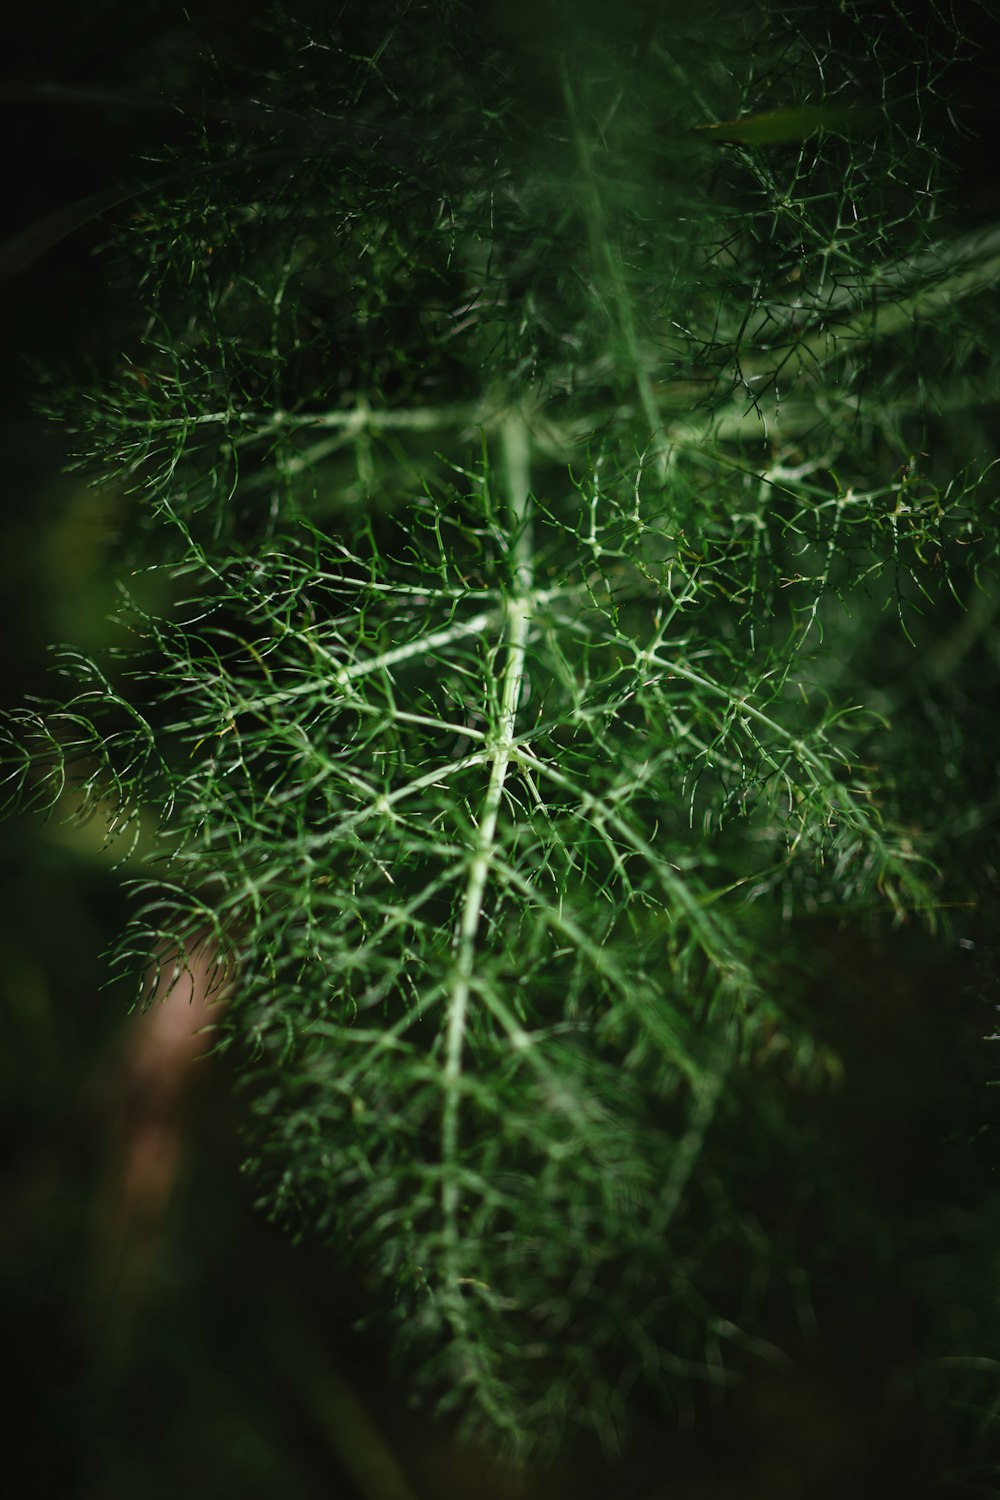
<point>523,455</point>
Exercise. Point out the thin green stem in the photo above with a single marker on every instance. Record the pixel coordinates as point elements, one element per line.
<point>516,471</point>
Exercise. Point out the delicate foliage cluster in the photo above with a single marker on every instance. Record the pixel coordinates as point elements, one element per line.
<point>505,445</point>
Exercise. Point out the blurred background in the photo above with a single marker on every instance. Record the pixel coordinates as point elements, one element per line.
<point>160,1335</point>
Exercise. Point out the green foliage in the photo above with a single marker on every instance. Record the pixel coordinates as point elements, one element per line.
<point>521,461</point>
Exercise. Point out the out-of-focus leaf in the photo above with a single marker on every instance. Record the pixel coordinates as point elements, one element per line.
<point>783,127</point>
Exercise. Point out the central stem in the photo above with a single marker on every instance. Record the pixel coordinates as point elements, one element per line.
<point>517,625</point>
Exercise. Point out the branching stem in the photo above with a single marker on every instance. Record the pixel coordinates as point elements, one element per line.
<point>516,464</point>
